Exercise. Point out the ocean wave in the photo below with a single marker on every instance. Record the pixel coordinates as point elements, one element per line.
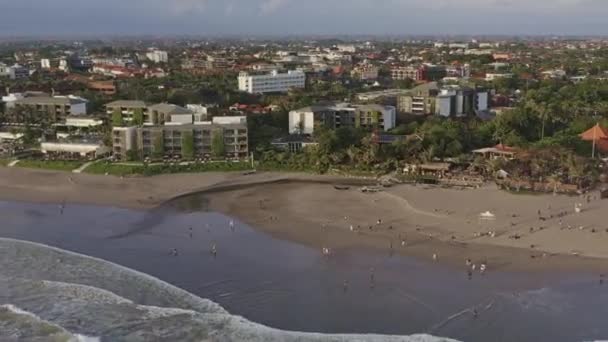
<point>69,296</point>
<point>17,324</point>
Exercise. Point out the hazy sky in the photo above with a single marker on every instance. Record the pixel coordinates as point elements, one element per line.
<point>278,17</point>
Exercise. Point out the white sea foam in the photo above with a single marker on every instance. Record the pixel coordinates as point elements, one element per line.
<point>34,322</point>
<point>103,311</point>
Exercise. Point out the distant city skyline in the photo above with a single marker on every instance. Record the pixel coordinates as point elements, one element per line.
<point>299,17</point>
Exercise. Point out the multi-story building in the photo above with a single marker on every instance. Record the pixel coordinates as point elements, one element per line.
<point>56,108</point>
<point>158,114</point>
<point>188,141</point>
<point>420,100</point>
<point>446,101</point>
<point>365,72</point>
<point>103,87</point>
<point>461,101</point>
<point>219,63</point>
<point>164,113</point>
<point>124,139</point>
<point>128,109</point>
<point>75,62</point>
<point>432,73</point>
<point>14,72</point>
<point>45,63</point>
<point>425,72</point>
<point>158,56</point>
<point>350,48</point>
<point>373,116</point>
<point>404,73</point>
<point>273,82</point>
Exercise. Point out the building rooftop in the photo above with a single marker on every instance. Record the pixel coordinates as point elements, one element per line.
<point>47,100</point>
<point>169,108</point>
<point>127,104</point>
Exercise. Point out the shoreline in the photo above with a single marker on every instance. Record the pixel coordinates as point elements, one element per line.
<point>308,210</point>
<point>299,213</point>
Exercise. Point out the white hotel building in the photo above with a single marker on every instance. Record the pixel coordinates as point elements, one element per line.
<point>274,82</point>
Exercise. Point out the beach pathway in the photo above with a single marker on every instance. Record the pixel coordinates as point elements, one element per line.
<point>83,167</point>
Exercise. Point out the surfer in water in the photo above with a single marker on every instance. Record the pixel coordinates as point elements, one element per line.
<point>214,250</point>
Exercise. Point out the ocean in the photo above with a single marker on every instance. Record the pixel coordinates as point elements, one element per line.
<point>107,274</point>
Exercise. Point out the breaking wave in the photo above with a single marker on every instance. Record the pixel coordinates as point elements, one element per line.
<point>51,294</point>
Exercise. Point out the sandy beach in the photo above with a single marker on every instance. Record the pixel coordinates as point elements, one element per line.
<point>422,221</point>
<point>419,221</point>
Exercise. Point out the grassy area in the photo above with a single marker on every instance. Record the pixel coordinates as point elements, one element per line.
<point>5,161</point>
<point>140,169</point>
<point>59,165</point>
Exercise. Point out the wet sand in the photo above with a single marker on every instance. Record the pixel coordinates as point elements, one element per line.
<point>415,220</point>
<point>278,283</point>
<point>421,222</point>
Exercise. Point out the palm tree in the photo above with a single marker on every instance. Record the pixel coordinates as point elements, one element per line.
<point>427,155</point>
<point>352,152</point>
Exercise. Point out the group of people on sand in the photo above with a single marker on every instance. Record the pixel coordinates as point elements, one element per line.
<point>471,267</point>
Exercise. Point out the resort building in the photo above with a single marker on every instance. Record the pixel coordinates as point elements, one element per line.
<point>293,143</point>
<point>453,100</point>
<point>420,100</point>
<point>128,109</point>
<point>274,82</point>
<point>139,113</point>
<point>72,149</point>
<point>461,101</point>
<point>124,139</point>
<point>224,137</point>
<point>372,116</point>
<point>58,108</point>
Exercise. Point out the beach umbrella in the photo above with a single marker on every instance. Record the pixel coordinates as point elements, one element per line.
<point>597,134</point>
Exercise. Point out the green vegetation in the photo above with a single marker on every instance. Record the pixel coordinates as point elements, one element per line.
<point>158,146</point>
<point>158,169</point>
<point>5,161</point>
<point>218,147</point>
<point>133,155</point>
<point>138,117</point>
<point>59,165</point>
<point>187,146</point>
<point>114,169</point>
<point>117,120</point>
